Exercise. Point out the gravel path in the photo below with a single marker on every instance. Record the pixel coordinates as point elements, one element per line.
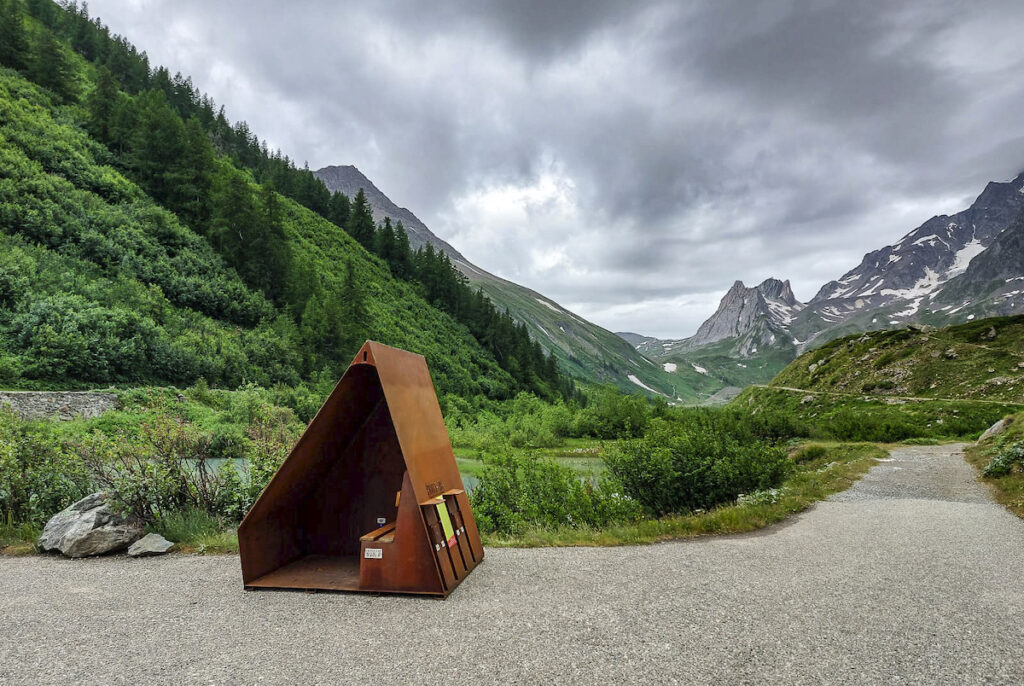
<point>912,576</point>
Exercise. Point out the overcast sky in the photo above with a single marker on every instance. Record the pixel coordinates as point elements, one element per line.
<point>629,160</point>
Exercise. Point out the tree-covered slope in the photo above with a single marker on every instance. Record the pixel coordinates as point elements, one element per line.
<point>980,360</point>
<point>99,284</point>
<point>139,220</point>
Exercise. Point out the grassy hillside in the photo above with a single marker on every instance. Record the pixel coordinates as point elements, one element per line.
<point>980,360</point>
<point>823,415</point>
<point>1000,460</point>
<point>585,350</point>
<point>99,284</point>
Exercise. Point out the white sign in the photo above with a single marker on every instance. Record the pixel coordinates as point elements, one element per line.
<point>373,553</point>
<point>381,521</point>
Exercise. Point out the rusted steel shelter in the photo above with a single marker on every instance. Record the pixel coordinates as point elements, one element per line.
<point>370,498</point>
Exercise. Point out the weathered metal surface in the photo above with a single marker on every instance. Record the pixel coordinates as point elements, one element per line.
<point>330,518</point>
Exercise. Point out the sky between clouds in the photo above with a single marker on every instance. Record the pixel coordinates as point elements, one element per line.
<point>629,160</point>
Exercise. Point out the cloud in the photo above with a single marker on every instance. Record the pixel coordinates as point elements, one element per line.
<point>629,160</point>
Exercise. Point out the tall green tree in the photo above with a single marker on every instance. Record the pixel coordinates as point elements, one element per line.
<point>267,256</point>
<point>14,48</point>
<point>384,244</point>
<point>338,209</point>
<point>402,263</point>
<point>234,211</point>
<point>102,103</point>
<point>193,178</point>
<point>355,315</point>
<point>158,144</point>
<point>51,68</point>
<point>360,221</point>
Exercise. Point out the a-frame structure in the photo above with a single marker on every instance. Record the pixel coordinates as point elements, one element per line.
<point>370,498</point>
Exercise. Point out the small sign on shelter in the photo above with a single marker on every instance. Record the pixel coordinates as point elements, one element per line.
<point>370,499</point>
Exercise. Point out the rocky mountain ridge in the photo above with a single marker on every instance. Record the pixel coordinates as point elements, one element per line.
<point>952,268</point>
<point>747,320</point>
<point>896,283</point>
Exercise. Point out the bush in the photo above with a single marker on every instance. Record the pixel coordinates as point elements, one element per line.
<point>40,474</point>
<point>678,468</point>
<point>1003,463</point>
<point>809,453</point>
<point>167,466</point>
<point>161,470</point>
<point>612,414</point>
<point>524,422</point>
<point>518,491</point>
<point>849,425</point>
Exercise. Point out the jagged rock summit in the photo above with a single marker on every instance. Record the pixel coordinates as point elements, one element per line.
<point>747,320</point>
<point>950,269</point>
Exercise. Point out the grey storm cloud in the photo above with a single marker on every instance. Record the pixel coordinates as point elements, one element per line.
<point>629,160</point>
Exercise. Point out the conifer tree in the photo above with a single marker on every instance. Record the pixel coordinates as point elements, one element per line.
<point>385,242</point>
<point>102,103</point>
<point>194,178</point>
<point>402,264</point>
<point>338,209</point>
<point>360,221</point>
<point>50,67</point>
<point>14,51</point>
<point>355,316</point>
<point>157,147</point>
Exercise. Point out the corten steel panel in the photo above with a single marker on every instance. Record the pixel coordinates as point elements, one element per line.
<point>380,431</point>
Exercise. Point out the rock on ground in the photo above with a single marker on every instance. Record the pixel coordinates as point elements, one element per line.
<point>88,527</point>
<point>150,544</point>
<point>994,430</point>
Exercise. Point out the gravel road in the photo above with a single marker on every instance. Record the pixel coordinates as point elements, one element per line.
<point>912,577</point>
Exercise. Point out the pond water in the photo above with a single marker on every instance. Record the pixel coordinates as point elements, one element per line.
<point>242,467</point>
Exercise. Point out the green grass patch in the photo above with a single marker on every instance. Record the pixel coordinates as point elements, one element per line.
<point>1007,489</point>
<point>195,531</point>
<point>17,539</point>
<point>869,418</point>
<point>981,360</point>
<point>828,472</point>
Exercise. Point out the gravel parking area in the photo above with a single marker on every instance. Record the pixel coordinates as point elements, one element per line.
<point>913,577</point>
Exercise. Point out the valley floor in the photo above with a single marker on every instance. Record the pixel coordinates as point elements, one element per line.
<point>911,576</point>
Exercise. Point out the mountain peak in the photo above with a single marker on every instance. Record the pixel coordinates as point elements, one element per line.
<point>773,289</point>
<point>347,179</point>
<point>752,317</point>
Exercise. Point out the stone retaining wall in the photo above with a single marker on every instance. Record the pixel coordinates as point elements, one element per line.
<point>60,404</point>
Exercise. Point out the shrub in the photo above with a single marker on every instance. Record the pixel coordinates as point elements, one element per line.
<point>612,414</point>
<point>271,437</point>
<point>163,469</point>
<point>39,473</point>
<point>1003,463</point>
<point>517,491</point>
<point>677,468</point>
<point>809,453</point>
<point>849,425</point>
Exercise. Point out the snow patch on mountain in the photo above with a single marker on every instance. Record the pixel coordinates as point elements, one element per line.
<point>670,367</point>
<point>641,384</point>
<point>963,258</point>
<point>700,370</point>
<point>551,307</point>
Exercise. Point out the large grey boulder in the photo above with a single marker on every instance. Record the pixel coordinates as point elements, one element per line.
<point>88,527</point>
<point>150,544</point>
<point>994,430</point>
